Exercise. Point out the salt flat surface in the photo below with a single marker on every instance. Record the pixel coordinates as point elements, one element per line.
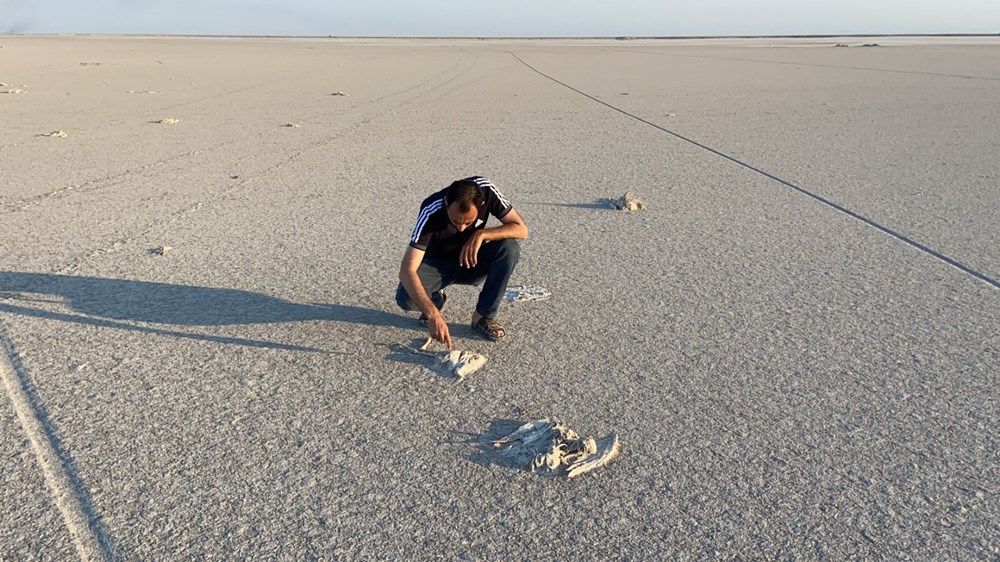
<point>788,381</point>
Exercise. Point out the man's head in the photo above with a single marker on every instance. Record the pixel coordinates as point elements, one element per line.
<point>463,199</point>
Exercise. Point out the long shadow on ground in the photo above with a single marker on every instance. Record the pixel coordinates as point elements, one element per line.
<point>115,303</point>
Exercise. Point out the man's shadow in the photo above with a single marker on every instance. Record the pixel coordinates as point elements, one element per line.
<point>118,303</point>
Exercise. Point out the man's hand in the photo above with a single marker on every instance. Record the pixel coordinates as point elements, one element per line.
<point>438,329</point>
<point>470,252</point>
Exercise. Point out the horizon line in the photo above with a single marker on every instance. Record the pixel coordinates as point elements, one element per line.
<point>507,37</point>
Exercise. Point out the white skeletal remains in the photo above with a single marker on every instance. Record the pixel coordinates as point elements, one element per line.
<point>551,448</point>
<point>459,363</point>
<point>628,202</point>
<point>522,293</point>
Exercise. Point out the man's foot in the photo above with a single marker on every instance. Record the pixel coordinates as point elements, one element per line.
<point>423,317</point>
<point>489,328</point>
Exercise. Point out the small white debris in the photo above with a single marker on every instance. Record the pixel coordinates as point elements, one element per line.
<point>141,92</point>
<point>169,121</point>
<point>522,293</point>
<point>161,251</point>
<point>15,91</point>
<point>295,125</point>
<point>628,202</point>
<point>340,94</point>
<point>60,134</point>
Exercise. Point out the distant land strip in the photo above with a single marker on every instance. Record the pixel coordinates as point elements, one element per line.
<point>514,38</point>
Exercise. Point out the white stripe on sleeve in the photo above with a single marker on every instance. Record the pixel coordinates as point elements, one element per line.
<point>425,214</point>
<point>485,183</point>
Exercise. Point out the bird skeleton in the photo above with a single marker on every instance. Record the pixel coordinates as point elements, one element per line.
<point>551,448</point>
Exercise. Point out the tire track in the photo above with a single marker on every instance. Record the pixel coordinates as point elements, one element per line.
<point>118,178</point>
<point>839,208</point>
<point>73,264</point>
<point>239,90</point>
<point>68,492</point>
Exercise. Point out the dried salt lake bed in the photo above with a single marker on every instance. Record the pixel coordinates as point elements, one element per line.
<point>797,342</point>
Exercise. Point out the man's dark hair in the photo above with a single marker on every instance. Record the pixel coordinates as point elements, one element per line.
<point>466,193</point>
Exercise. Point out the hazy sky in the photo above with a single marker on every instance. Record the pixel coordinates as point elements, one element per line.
<point>500,18</point>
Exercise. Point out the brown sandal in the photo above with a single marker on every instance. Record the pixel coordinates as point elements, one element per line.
<point>489,328</point>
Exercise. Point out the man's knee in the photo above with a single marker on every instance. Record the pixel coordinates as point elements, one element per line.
<point>510,250</point>
<point>403,298</point>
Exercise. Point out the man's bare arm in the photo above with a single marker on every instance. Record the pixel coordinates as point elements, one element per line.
<point>436,325</point>
<point>512,227</point>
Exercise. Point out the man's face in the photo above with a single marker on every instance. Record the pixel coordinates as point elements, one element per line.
<point>461,220</point>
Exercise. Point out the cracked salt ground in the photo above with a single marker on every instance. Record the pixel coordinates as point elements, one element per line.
<point>551,448</point>
<point>522,293</point>
<point>459,363</point>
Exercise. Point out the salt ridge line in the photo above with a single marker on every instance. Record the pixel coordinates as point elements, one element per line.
<point>902,238</point>
<point>67,494</point>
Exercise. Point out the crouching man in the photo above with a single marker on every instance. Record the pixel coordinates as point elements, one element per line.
<point>451,245</point>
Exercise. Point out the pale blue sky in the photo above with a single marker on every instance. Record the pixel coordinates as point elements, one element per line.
<point>500,18</point>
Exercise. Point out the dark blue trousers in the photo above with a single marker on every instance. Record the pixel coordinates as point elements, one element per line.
<point>494,264</point>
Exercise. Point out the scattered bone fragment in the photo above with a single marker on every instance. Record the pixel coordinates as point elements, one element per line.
<point>293,125</point>
<point>340,94</point>
<point>551,448</point>
<point>161,251</point>
<point>141,92</point>
<point>59,134</point>
<point>169,121</point>
<point>522,293</point>
<point>15,91</point>
<point>459,363</point>
<point>3,85</point>
<point>628,202</point>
